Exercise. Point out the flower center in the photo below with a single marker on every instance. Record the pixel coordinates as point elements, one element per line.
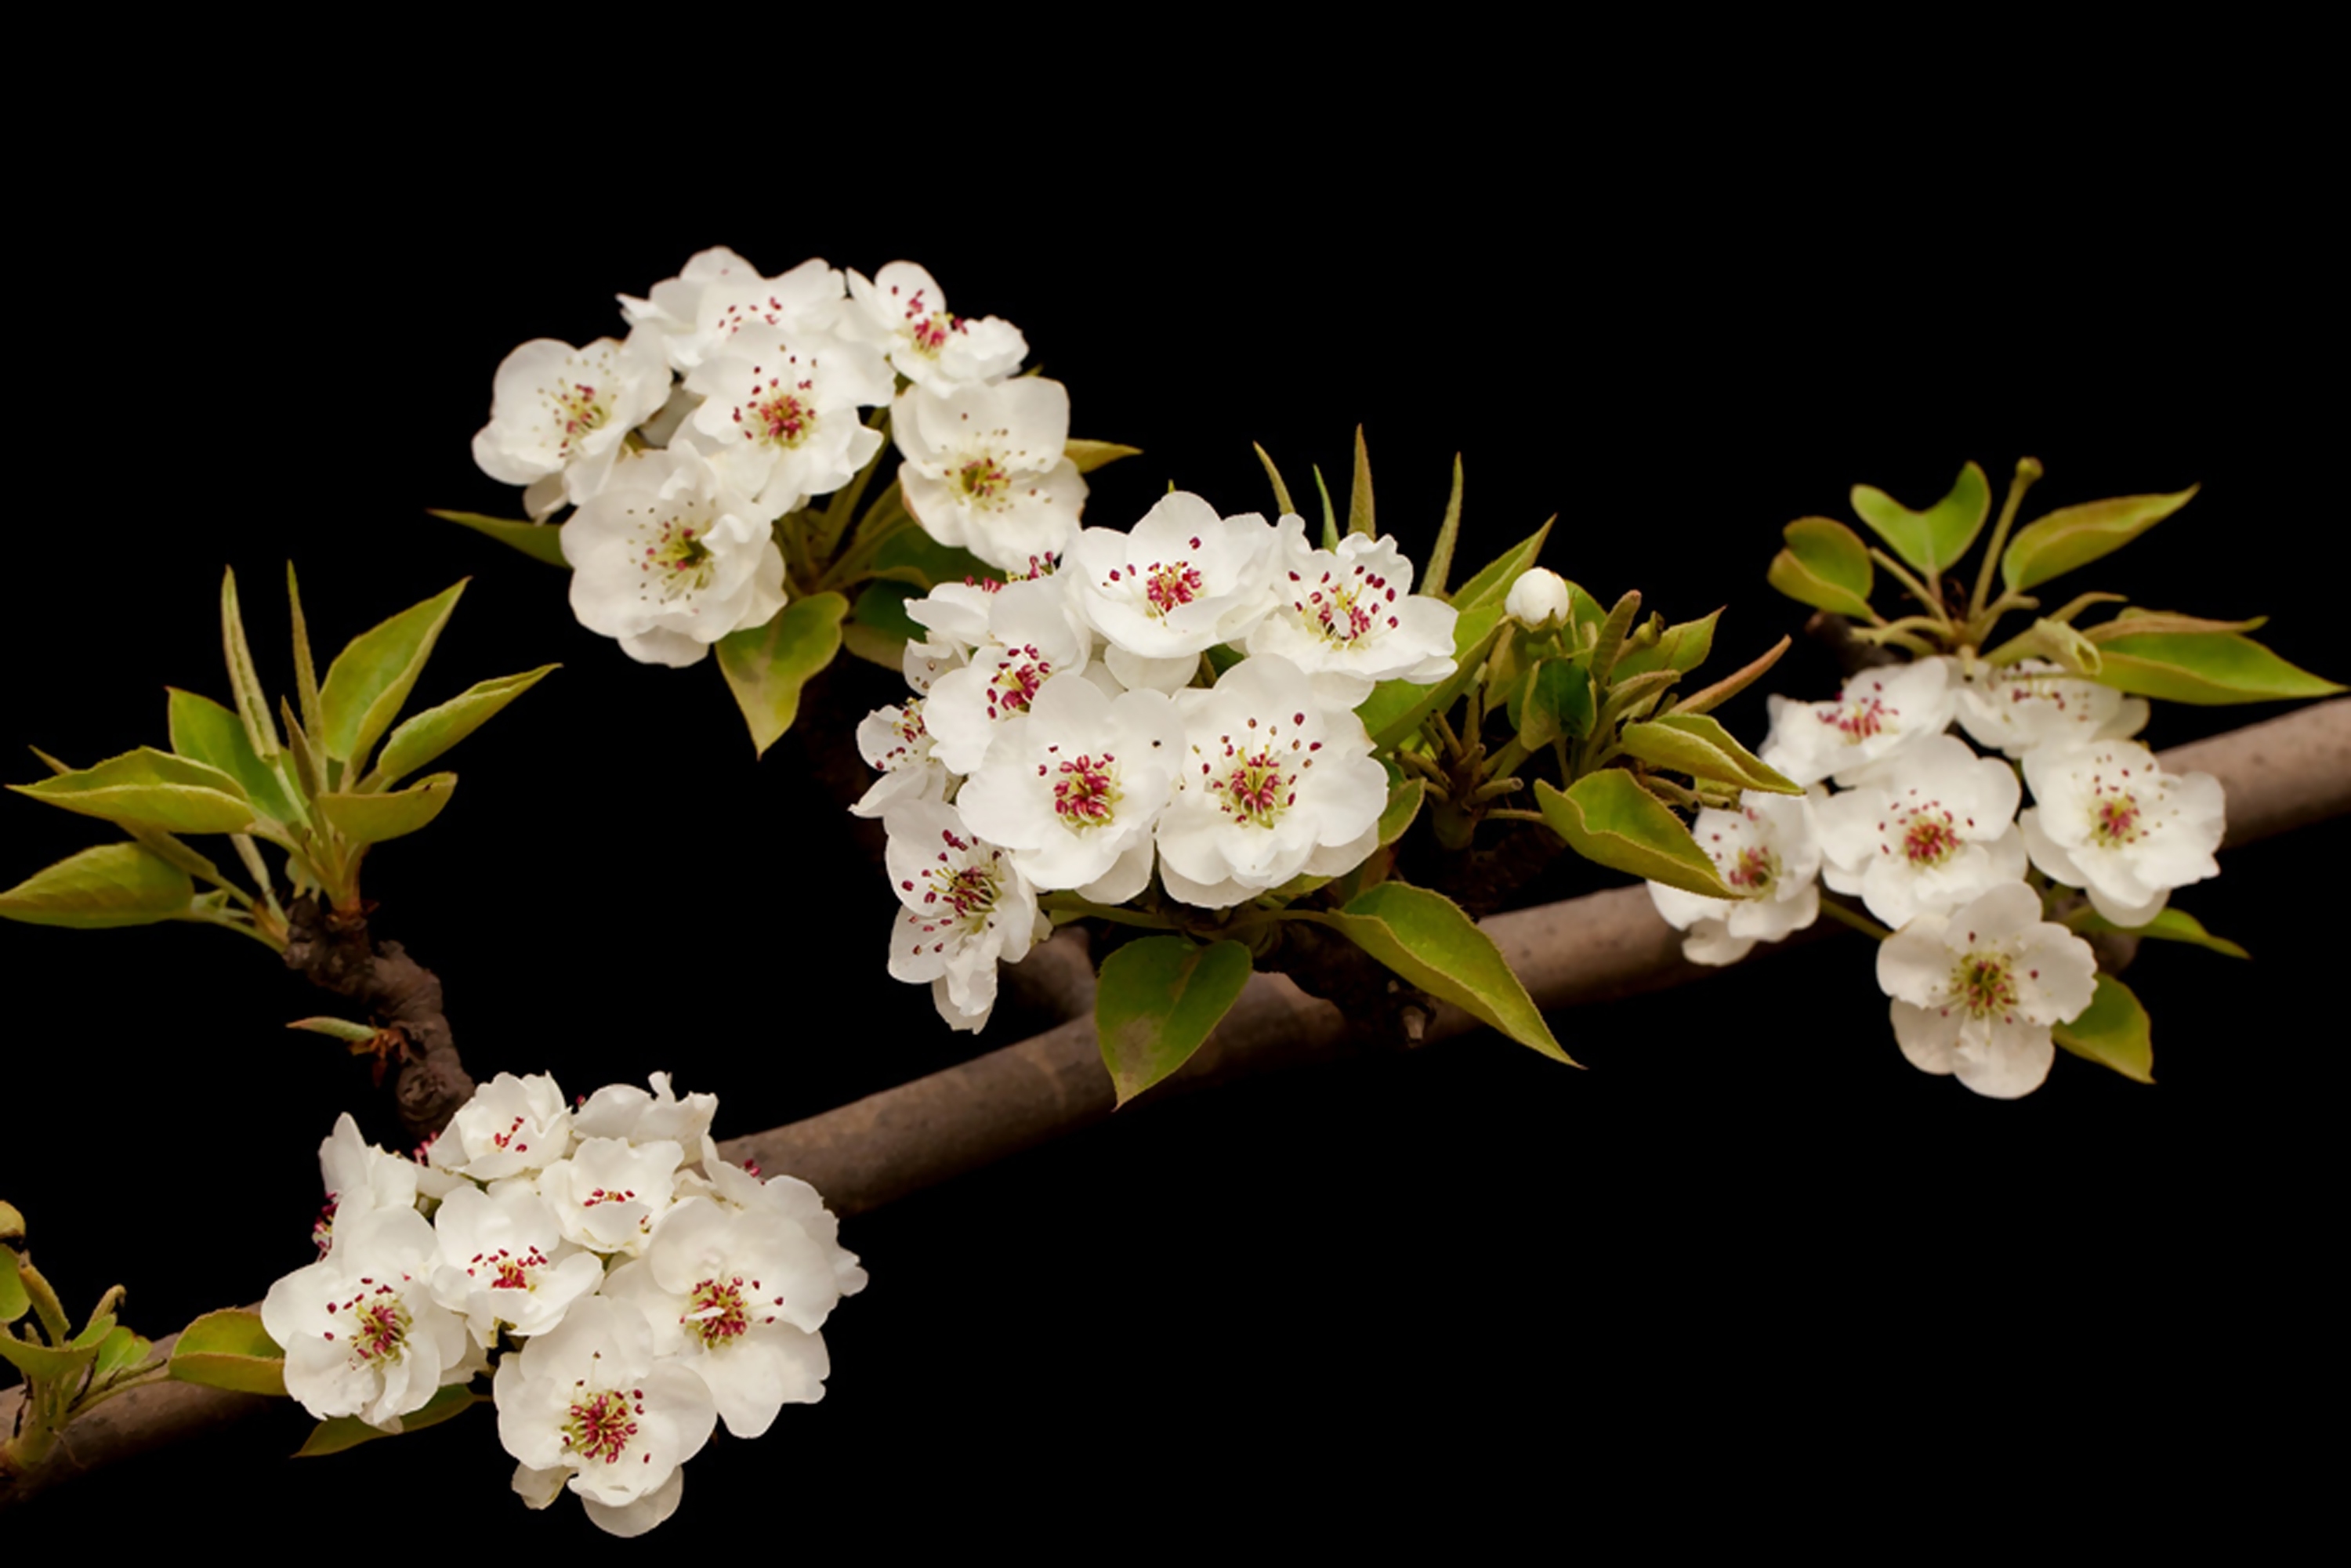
<point>1984,984</point>
<point>601,1424</point>
<point>968,889</point>
<point>1344,611</point>
<point>1086,795</point>
<point>1754,871</point>
<point>715,1313</point>
<point>1168,586</point>
<point>982,480</point>
<point>323,1230</point>
<point>1258,789</point>
<point>507,1270</point>
<point>576,411</point>
<point>1859,719</point>
<point>927,330</point>
<point>1017,680</point>
<point>778,415</point>
<point>377,1325</point>
<point>676,563</point>
<point>2117,820</point>
<point>1929,840</point>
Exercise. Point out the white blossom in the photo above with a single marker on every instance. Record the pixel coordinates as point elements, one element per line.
<point>896,742</point>
<point>985,469</point>
<point>1878,711</point>
<point>561,412</point>
<point>2018,707</point>
<point>904,311</point>
<point>1031,637</point>
<point>1272,785</point>
<point>779,418</point>
<point>668,562</point>
<point>607,1195</point>
<point>512,1127</point>
<point>1933,827</point>
<point>1769,849</point>
<point>625,1111</point>
<point>967,908</point>
<point>2108,820</point>
<point>1539,598</point>
<point>719,294</point>
<point>1350,618</point>
<point>363,1333</point>
<point>503,1259</point>
<point>1976,992</point>
<point>1183,580</point>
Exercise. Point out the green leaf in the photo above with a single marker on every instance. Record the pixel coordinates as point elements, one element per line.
<point>1826,566</point>
<point>1555,701</point>
<point>1425,939</point>
<point>14,1303</point>
<point>306,672</point>
<point>372,819</point>
<point>1396,708</point>
<point>2206,668</point>
<point>1609,646</point>
<point>370,680</point>
<point>204,731</point>
<point>1156,1001</point>
<point>1280,491</point>
<point>1090,456</point>
<point>1330,518</point>
<point>49,1363</point>
<point>93,1332</point>
<point>120,1352</point>
<point>113,885</point>
<point>429,734</point>
<point>541,541</point>
<point>1403,805</point>
<point>1608,818</point>
<point>349,1431</point>
<point>767,667</point>
<point>1683,648</point>
<point>230,1349</point>
<point>912,556</point>
<point>1731,685</point>
<point>2076,536</point>
<point>1359,497</point>
<point>150,789</point>
<point>1440,560</point>
<point>2113,1032</point>
<point>244,683</point>
<point>1493,581</point>
<point>2133,622</point>
<point>1696,744</point>
<point>337,1029</point>
<point>2169,925</point>
<point>883,607</point>
<point>1933,540</point>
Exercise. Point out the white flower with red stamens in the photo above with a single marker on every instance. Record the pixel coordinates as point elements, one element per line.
<point>903,311</point>
<point>512,1127</point>
<point>588,1403</point>
<point>895,741</point>
<point>1934,826</point>
<point>1182,582</point>
<point>2019,707</point>
<point>727,1290</point>
<point>1879,711</point>
<point>1769,849</point>
<point>1030,638</point>
<point>1073,788</point>
<point>780,417</point>
<point>561,410</point>
<point>984,470</point>
<point>668,562</point>
<point>2108,820</point>
<point>697,314</point>
<point>1271,785</point>
<point>1976,992</point>
<point>362,1178</point>
<point>363,1333</point>
<point>966,907</point>
<point>625,1111</point>
<point>607,1195</point>
<point>789,1200</point>
<point>503,1259</point>
<point>1350,618</point>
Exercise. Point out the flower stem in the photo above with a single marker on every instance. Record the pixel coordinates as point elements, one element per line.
<point>2028,470</point>
<point>1919,591</point>
<point>1854,918</point>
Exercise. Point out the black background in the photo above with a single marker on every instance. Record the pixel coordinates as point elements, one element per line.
<point>1444,1290</point>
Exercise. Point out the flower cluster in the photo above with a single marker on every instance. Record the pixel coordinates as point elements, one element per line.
<point>640,1288</point>
<point>737,399</point>
<point>1068,732</point>
<point>1927,833</point>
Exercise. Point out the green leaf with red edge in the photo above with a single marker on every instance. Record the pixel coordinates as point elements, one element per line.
<point>1427,938</point>
<point>1931,540</point>
<point>1155,1002</point>
<point>1607,818</point>
<point>230,1349</point>
<point>2113,1031</point>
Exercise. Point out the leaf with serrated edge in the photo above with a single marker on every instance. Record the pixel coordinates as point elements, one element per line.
<point>1425,939</point>
<point>2075,536</point>
<point>375,818</point>
<point>1090,456</point>
<point>1933,540</point>
<point>368,683</point>
<point>343,1432</point>
<point>112,884</point>
<point>2206,668</point>
<point>2113,1031</point>
<point>1156,1001</point>
<point>204,731</point>
<point>541,541</point>
<point>1696,744</point>
<point>150,788</point>
<point>1607,818</point>
<point>767,667</point>
<point>427,735</point>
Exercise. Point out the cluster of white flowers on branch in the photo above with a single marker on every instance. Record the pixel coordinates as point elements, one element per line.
<point>636,1288</point>
<point>1926,833</point>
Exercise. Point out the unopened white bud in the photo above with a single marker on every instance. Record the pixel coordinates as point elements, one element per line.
<point>1538,600</point>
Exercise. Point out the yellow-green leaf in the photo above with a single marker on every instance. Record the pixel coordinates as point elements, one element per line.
<point>204,731</point>
<point>49,1363</point>
<point>1427,938</point>
<point>1090,456</point>
<point>120,1352</point>
<point>767,667</point>
<point>112,884</point>
<point>370,680</point>
<point>2113,1032</point>
<point>150,789</point>
<point>2075,536</point>
<point>541,541</point>
<point>1493,581</point>
<point>1933,540</point>
<point>372,819</point>
<point>1606,817</point>
<point>245,683</point>
<point>2206,668</point>
<point>427,735</point>
<point>14,1303</point>
<point>1359,497</point>
<point>2170,925</point>
<point>1683,648</point>
<point>1826,566</point>
<point>1156,1001</point>
<point>343,1432</point>
<point>230,1349</point>
<point>1696,744</point>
